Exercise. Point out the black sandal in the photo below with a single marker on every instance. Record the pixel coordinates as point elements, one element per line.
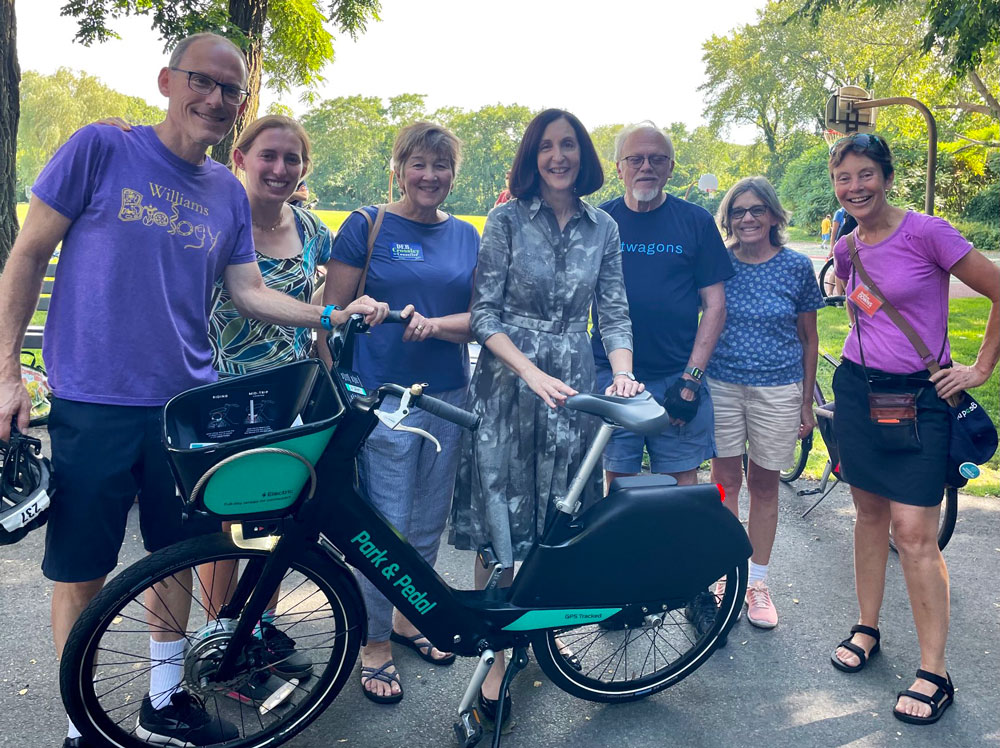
<point>859,651</point>
<point>380,674</point>
<point>488,712</point>
<point>411,642</point>
<point>938,702</point>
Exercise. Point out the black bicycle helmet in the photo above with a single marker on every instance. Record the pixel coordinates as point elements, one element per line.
<point>24,487</point>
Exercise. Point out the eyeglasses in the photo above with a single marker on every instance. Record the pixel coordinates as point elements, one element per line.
<point>656,160</point>
<point>736,214</point>
<point>201,83</point>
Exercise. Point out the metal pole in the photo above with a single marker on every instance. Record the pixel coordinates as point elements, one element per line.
<point>931,139</point>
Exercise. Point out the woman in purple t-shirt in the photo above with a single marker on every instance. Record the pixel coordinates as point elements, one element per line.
<point>910,257</point>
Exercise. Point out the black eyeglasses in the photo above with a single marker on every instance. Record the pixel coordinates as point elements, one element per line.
<point>201,83</point>
<point>756,211</point>
<point>656,160</point>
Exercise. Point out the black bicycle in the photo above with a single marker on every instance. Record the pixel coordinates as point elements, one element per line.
<point>823,410</point>
<point>274,453</point>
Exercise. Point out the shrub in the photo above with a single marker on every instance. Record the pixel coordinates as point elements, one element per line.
<point>984,236</point>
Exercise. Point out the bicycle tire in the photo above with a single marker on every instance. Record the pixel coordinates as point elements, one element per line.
<point>802,449</point>
<point>827,280</point>
<point>103,698</point>
<point>946,524</point>
<point>599,648</point>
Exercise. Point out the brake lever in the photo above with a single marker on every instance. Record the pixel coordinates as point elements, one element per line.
<point>394,420</point>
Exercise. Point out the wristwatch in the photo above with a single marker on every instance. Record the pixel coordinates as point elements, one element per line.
<point>326,317</point>
<point>628,374</point>
<point>694,372</point>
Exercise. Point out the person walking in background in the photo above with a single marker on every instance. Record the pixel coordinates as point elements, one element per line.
<point>422,261</point>
<point>897,470</point>
<point>763,369</point>
<point>675,265</point>
<point>504,195</point>
<point>545,256</point>
<point>824,232</point>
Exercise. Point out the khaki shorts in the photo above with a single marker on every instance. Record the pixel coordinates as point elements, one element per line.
<point>767,418</point>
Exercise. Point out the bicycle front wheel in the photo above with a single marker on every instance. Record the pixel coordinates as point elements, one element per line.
<point>946,522</point>
<point>639,651</point>
<point>106,665</point>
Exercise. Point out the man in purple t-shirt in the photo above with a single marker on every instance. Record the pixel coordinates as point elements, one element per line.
<point>147,223</point>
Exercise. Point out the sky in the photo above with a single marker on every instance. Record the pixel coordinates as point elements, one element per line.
<point>606,62</point>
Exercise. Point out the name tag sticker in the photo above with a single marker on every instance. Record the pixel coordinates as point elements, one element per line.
<point>407,251</point>
<point>865,300</point>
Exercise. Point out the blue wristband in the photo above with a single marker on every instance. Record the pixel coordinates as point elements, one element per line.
<point>326,318</point>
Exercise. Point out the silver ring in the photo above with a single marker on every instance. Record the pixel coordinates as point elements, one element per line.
<point>419,328</point>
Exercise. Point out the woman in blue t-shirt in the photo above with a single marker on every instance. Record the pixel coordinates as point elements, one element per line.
<point>763,369</point>
<point>422,262</point>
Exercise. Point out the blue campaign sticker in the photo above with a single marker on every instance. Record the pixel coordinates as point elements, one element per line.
<point>968,470</point>
<point>408,251</point>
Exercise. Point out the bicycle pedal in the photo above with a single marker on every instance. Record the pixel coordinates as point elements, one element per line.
<point>469,730</point>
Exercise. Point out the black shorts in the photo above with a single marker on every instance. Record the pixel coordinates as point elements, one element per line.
<point>103,456</point>
<point>915,478</point>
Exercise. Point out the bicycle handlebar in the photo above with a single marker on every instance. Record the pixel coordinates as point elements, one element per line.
<point>439,408</point>
<point>835,300</point>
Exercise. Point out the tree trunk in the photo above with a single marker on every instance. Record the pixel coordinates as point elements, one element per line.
<point>10,112</point>
<point>250,16</point>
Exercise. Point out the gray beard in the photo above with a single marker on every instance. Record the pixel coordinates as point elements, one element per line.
<point>645,195</point>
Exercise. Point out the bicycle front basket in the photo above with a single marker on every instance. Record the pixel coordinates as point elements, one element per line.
<point>293,407</point>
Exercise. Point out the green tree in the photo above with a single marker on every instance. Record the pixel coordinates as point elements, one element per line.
<point>352,146</point>
<point>55,106</point>
<point>805,190</point>
<point>490,136</point>
<point>285,42</point>
<point>967,32</point>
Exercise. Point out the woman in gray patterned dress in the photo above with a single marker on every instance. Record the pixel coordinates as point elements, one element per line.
<point>544,256</point>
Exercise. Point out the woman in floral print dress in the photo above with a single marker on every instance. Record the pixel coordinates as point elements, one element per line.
<point>544,257</point>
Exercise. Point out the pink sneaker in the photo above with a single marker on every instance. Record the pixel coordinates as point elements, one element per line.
<point>720,591</point>
<point>760,609</point>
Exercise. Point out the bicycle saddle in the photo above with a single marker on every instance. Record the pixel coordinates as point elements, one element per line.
<point>640,414</point>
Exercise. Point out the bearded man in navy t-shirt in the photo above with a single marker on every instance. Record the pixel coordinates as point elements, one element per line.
<point>674,262</point>
<point>147,223</point>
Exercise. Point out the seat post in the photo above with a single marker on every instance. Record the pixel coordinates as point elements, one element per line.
<point>570,503</point>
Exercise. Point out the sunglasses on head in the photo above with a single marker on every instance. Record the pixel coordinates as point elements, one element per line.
<point>861,140</point>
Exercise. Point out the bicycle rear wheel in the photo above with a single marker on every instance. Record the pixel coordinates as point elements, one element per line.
<point>946,522</point>
<point>799,460</point>
<point>827,279</point>
<point>652,650</point>
<point>106,663</point>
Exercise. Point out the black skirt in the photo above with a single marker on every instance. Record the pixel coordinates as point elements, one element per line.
<point>915,478</point>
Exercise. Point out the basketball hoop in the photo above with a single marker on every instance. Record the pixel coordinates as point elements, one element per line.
<point>831,137</point>
<point>708,183</point>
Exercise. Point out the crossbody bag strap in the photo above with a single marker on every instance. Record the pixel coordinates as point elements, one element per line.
<point>373,229</point>
<point>928,358</point>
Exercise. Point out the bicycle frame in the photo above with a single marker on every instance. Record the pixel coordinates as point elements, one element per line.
<point>560,584</point>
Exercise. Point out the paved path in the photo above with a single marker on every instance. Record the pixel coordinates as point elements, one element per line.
<point>766,688</point>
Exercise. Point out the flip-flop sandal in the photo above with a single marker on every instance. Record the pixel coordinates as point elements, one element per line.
<point>412,643</point>
<point>380,674</point>
<point>859,651</point>
<point>938,702</point>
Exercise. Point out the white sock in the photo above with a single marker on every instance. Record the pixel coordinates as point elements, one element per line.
<point>73,732</point>
<point>168,671</point>
<point>758,572</point>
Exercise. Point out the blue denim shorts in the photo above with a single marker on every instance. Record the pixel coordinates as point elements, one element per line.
<point>676,450</point>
